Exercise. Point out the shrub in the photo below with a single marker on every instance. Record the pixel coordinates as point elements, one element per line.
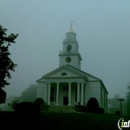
<point>79,108</point>
<point>93,106</point>
<point>117,113</point>
<point>93,103</point>
<point>14,103</point>
<point>45,107</point>
<point>27,108</point>
<point>91,110</point>
<point>100,110</point>
<point>40,102</point>
<point>94,110</point>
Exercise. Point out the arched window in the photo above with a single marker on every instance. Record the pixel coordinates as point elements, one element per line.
<point>63,74</point>
<point>69,47</point>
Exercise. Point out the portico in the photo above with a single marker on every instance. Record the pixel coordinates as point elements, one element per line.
<point>60,92</point>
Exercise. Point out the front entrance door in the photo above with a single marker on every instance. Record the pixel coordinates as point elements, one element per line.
<point>65,101</point>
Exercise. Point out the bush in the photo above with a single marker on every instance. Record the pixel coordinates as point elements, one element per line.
<point>94,110</point>
<point>93,106</point>
<point>14,103</point>
<point>45,107</point>
<point>27,108</point>
<point>92,103</point>
<point>100,110</point>
<point>91,110</point>
<point>79,108</point>
<point>117,113</point>
<point>40,102</point>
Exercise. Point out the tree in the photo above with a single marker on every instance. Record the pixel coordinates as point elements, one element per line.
<point>29,94</point>
<point>14,103</point>
<point>7,105</point>
<point>113,104</point>
<point>6,64</point>
<point>128,101</point>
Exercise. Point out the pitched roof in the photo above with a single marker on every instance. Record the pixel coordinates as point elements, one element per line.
<point>83,72</point>
<point>75,70</point>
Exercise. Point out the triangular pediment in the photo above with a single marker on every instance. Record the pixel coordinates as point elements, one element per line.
<point>68,71</point>
<point>63,71</point>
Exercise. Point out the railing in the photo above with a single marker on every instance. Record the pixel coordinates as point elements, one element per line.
<point>68,52</point>
<point>71,39</point>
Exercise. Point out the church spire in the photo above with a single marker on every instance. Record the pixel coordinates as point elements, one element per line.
<point>71,30</point>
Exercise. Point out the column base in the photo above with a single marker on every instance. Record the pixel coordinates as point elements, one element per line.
<point>69,104</point>
<point>82,104</point>
<point>57,104</point>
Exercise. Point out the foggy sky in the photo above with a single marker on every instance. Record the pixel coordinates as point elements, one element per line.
<point>103,35</point>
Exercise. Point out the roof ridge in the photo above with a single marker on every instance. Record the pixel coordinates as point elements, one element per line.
<point>83,72</point>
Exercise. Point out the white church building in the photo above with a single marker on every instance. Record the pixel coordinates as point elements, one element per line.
<point>68,85</point>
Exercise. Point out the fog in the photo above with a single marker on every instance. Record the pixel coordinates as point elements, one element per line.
<point>103,35</point>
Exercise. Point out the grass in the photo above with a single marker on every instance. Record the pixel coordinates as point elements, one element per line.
<point>60,121</point>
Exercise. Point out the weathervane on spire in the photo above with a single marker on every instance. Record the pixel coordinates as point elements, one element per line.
<point>71,30</point>
<point>71,24</point>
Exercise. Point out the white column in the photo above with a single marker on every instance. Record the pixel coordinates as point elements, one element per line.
<point>69,103</point>
<point>46,93</point>
<point>82,94</point>
<point>57,94</point>
<point>78,93</point>
<point>49,93</point>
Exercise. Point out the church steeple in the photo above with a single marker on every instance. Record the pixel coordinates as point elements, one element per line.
<point>70,54</point>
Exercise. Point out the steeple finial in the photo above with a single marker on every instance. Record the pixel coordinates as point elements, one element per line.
<point>71,30</point>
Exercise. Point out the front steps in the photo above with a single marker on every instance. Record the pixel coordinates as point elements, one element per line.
<point>61,109</point>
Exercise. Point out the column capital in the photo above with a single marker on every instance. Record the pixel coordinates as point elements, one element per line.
<point>48,83</point>
<point>83,83</point>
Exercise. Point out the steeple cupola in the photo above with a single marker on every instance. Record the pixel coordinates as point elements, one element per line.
<point>71,36</point>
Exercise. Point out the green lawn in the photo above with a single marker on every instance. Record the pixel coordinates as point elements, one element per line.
<point>60,121</point>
